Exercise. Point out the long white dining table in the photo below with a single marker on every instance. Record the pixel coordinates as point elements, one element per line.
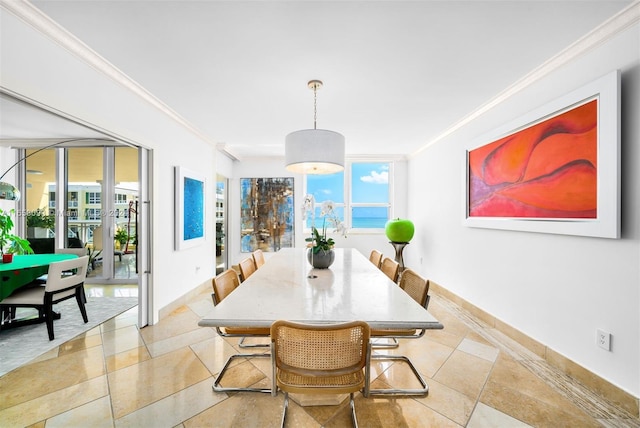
<point>351,289</point>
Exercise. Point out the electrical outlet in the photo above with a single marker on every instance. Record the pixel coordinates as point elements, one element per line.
<point>603,339</point>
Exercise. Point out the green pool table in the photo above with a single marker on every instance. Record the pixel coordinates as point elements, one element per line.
<point>24,269</point>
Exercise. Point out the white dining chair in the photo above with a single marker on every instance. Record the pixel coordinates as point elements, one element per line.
<point>65,280</point>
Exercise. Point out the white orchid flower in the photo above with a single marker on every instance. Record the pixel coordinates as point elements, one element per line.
<point>329,218</point>
<point>308,206</point>
<point>327,208</point>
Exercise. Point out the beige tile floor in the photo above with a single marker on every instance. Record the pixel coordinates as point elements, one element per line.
<point>161,376</point>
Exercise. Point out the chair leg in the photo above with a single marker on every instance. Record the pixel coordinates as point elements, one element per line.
<point>284,410</point>
<point>397,391</point>
<point>391,344</point>
<point>241,344</point>
<point>274,372</point>
<point>5,315</point>
<point>216,382</point>
<point>354,421</point>
<point>48,314</point>
<point>80,300</point>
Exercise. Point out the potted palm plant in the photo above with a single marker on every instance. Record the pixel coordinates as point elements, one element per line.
<point>11,244</point>
<point>121,237</point>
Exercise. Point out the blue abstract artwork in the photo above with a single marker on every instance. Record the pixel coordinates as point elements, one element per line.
<point>193,209</point>
<point>190,208</point>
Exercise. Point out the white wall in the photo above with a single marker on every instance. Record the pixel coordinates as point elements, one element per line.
<point>224,165</point>
<point>274,167</point>
<point>34,66</point>
<point>557,289</point>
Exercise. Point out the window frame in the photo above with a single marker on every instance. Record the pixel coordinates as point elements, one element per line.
<point>94,198</point>
<point>348,205</point>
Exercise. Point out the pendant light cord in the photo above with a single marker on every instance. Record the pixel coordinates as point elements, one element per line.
<point>315,105</point>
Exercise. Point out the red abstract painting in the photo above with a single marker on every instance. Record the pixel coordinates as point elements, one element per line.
<point>548,170</point>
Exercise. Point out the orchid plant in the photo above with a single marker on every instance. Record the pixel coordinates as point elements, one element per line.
<point>319,239</point>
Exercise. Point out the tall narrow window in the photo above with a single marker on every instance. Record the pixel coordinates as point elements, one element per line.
<point>370,207</point>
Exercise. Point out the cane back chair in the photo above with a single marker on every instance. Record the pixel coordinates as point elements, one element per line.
<point>375,257</point>
<point>320,359</point>
<point>391,268</point>
<point>258,258</point>
<point>223,285</point>
<point>418,288</point>
<point>247,267</point>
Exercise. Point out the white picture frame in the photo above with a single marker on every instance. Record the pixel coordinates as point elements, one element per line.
<point>607,222</point>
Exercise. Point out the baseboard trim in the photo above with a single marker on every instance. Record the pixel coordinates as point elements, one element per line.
<point>184,299</point>
<point>592,381</point>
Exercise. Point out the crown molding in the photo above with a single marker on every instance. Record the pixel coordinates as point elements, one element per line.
<point>227,151</point>
<point>598,36</point>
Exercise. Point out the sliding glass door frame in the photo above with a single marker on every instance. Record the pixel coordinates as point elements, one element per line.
<point>143,232</point>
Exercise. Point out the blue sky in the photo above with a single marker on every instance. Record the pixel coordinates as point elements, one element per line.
<point>370,183</point>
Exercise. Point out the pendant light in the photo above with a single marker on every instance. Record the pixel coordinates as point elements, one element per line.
<point>314,151</point>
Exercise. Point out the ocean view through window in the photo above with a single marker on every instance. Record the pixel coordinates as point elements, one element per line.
<point>366,186</point>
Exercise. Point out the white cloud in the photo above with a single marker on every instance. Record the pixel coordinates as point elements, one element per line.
<point>376,177</point>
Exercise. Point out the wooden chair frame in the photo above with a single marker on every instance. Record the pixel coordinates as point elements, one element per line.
<point>258,258</point>
<point>223,285</point>
<point>375,257</point>
<point>418,288</point>
<point>391,268</point>
<point>247,267</point>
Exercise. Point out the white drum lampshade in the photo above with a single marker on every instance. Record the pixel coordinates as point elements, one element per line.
<point>314,151</point>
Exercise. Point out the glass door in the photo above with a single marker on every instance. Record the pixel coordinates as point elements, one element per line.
<point>102,193</point>
<point>40,202</point>
<point>221,223</point>
<point>127,210</point>
<point>96,208</point>
<point>84,170</point>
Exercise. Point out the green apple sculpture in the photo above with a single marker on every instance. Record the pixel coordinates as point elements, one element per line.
<point>399,230</point>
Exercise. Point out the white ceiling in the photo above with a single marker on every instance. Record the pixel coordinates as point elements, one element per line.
<point>396,74</point>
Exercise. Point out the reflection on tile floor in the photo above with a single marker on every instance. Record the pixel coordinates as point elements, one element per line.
<point>124,267</point>
<point>161,376</point>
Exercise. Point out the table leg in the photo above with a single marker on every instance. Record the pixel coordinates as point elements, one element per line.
<point>9,319</point>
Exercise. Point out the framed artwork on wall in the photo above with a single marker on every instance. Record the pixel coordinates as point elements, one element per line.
<point>189,208</point>
<point>267,214</point>
<point>553,170</point>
